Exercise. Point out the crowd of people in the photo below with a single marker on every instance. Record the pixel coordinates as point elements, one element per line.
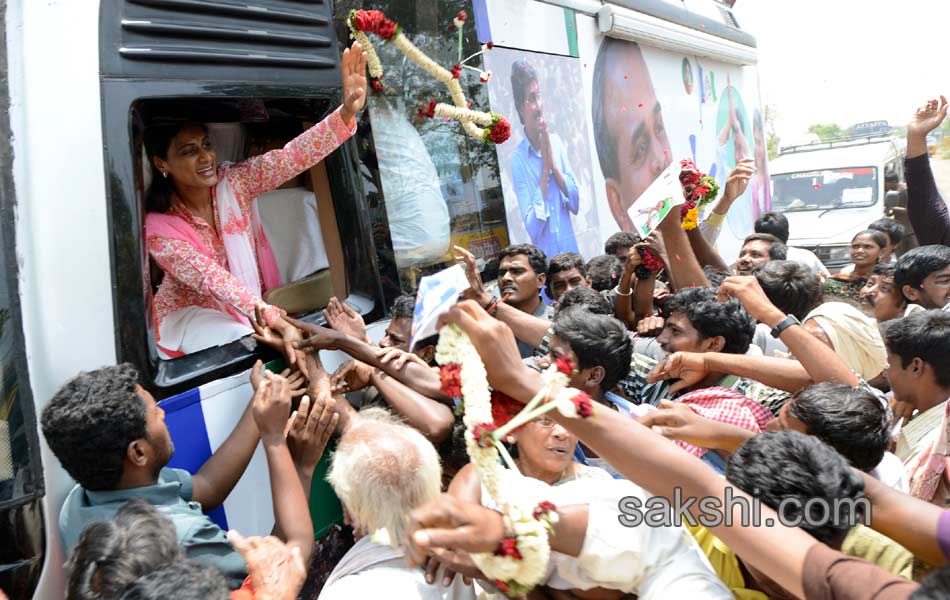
<point>819,398</point>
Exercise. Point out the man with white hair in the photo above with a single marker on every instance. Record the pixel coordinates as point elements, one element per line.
<point>382,470</point>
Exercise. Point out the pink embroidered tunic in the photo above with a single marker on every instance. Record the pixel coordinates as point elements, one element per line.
<point>194,278</point>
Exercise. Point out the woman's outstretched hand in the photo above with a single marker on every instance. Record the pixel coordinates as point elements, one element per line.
<point>353,71</point>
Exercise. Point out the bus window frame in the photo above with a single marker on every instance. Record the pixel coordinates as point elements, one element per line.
<point>134,331</point>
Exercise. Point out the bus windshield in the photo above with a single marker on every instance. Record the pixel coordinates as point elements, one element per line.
<point>820,190</point>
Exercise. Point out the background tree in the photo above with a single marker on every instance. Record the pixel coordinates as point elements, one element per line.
<point>826,132</point>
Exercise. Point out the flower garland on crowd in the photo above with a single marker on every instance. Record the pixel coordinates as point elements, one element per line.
<point>487,127</point>
<point>699,189</point>
<point>520,562</point>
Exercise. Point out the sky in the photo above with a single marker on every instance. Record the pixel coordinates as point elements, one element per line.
<point>848,61</point>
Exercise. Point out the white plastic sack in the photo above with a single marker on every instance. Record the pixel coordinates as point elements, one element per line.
<point>417,212</point>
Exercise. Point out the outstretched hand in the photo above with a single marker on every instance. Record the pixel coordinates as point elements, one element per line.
<point>496,345</point>
<point>277,570</point>
<point>928,117</point>
<point>749,293</point>
<point>345,320</point>
<point>317,337</point>
<point>677,421</point>
<point>476,290</point>
<point>738,180</point>
<point>353,71</point>
<point>310,428</point>
<point>451,524</point>
<point>688,367</point>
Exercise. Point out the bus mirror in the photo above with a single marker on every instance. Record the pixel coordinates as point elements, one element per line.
<point>892,199</point>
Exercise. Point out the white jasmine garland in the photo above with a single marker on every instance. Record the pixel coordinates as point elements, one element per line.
<point>448,78</point>
<point>517,501</point>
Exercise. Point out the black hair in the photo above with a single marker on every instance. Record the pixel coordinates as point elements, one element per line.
<point>597,341</point>
<point>621,239</point>
<point>587,297</point>
<point>564,261</point>
<point>852,420</point>
<point>915,265</point>
<point>935,586</point>
<point>604,137</point>
<point>715,276</point>
<point>536,257</point>
<point>158,138</point>
<point>878,236</point>
<point>773,223</point>
<point>884,269</point>
<point>90,422</point>
<point>182,580</point>
<point>110,555</point>
<point>894,230</point>
<point>712,318</point>
<point>791,286</point>
<point>777,250</point>
<point>805,477</point>
<point>922,335</point>
<point>522,75</point>
<point>404,306</point>
<point>604,272</point>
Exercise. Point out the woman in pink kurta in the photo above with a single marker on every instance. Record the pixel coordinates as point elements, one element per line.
<point>203,230</point>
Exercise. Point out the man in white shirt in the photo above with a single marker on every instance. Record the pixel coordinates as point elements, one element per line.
<point>777,225</point>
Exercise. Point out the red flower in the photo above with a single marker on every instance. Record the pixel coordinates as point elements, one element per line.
<point>508,547</point>
<point>450,379</point>
<point>482,432</point>
<point>690,177</point>
<point>428,111</point>
<point>387,29</point>
<point>651,262</point>
<point>565,364</point>
<point>368,20</point>
<point>456,71</point>
<point>504,408</point>
<point>461,16</point>
<point>583,404</point>
<point>701,190</point>
<point>500,131</point>
<point>376,84</point>
<point>544,507</point>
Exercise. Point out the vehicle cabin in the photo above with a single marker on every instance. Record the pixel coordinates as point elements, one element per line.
<point>830,191</point>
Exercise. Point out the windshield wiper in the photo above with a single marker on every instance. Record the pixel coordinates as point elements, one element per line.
<point>835,206</point>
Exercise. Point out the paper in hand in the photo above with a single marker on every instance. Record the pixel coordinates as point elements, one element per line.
<point>656,202</point>
<point>436,295</point>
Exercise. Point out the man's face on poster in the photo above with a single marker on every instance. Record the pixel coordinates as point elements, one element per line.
<point>531,112</point>
<point>634,121</point>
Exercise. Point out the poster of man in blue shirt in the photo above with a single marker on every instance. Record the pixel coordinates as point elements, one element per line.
<point>543,180</point>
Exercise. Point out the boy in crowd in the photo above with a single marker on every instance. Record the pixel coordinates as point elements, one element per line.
<point>566,271</point>
<point>620,243</point>
<point>923,276</point>
<point>110,436</point>
<point>777,224</point>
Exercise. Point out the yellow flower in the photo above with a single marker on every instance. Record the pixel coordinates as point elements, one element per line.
<point>691,220</point>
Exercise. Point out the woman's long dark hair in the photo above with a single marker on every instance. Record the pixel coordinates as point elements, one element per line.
<point>158,138</point>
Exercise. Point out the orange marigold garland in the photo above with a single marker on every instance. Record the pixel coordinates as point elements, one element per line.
<point>488,127</point>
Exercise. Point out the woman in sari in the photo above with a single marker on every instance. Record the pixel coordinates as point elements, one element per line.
<point>203,230</point>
